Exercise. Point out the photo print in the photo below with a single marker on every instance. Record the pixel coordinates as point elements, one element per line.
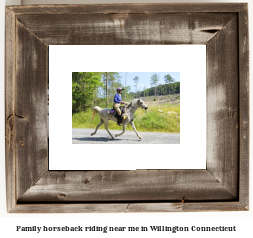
<point>126,107</point>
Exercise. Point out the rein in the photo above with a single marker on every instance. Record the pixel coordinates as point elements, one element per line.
<point>134,107</point>
<point>131,105</point>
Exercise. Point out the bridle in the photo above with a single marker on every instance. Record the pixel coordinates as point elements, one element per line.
<point>133,107</point>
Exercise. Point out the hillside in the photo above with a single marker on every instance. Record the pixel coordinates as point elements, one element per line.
<point>172,99</point>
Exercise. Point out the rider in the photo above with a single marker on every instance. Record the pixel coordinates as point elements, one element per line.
<point>116,104</point>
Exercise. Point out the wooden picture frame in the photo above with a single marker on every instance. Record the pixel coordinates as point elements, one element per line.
<point>222,186</point>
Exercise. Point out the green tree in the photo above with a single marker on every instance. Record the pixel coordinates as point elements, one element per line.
<point>161,89</point>
<point>127,91</point>
<point>144,90</point>
<point>168,80</point>
<point>154,81</point>
<point>147,92</point>
<point>84,89</point>
<point>136,81</point>
<point>111,80</point>
<point>125,85</point>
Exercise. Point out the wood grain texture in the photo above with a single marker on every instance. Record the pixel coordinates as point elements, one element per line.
<point>9,108</point>
<point>223,186</point>
<point>186,207</point>
<point>155,8</point>
<point>139,185</point>
<point>30,108</point>
<point>244,106</point>
<point>129,207</point>
<point>121,29</point>
<point>222,107</point>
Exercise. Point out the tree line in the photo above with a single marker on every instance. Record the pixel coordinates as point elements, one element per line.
<point>161,89</point>
<point>169,86</point>
<point>98,88</point>
<point>94,88</point>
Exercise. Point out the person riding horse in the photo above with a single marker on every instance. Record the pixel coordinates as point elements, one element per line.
<point>106,115</point>
<point>116,104</point>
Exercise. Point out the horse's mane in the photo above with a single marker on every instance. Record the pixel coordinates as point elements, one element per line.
<point>131,103</point>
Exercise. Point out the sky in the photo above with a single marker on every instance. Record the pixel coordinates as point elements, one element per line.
<point>144,78</point>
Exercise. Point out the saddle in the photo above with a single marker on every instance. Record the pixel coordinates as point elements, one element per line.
<point>123,114</point>
<point>122,109</point>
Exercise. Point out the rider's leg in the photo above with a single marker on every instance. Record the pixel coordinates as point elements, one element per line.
<point>116,107</point>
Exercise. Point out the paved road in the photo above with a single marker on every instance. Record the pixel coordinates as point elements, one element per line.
<point>82,136</point>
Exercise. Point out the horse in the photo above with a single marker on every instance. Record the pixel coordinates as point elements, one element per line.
<point>106,115</point>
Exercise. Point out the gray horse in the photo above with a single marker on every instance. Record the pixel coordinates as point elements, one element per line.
<point>105,115</point>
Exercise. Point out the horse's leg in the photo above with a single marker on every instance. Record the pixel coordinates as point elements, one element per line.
<point>100,124</point>
<point>106,127</point>
<point>124,128</point>
<point>133,126</point>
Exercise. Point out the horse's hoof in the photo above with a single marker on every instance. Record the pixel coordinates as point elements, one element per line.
<point>91,134</point>
<point>140,137</point>
<point>116,135</point>
<point>112,138</point>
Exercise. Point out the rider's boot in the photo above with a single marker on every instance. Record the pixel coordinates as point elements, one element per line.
<point>119,120</point>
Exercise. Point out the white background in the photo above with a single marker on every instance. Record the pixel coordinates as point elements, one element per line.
<point>243,220</point>
<point>189,60</point>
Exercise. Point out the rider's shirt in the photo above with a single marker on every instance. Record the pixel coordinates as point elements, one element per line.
<point>117,98</point>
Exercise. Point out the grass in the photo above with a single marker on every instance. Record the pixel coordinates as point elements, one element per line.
<point>149,121</point>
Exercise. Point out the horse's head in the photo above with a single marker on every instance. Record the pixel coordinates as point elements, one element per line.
<point>141,104</point>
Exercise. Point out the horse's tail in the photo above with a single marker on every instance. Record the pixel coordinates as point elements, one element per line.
<point>95,109</point>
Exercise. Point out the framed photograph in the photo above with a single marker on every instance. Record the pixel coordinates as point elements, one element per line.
<point>56,58</point>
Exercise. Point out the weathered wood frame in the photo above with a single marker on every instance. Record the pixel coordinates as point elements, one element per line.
<point>222,186</point>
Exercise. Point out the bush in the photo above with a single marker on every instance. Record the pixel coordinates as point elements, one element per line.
<point>155,99</point>
<point>150,120</point>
